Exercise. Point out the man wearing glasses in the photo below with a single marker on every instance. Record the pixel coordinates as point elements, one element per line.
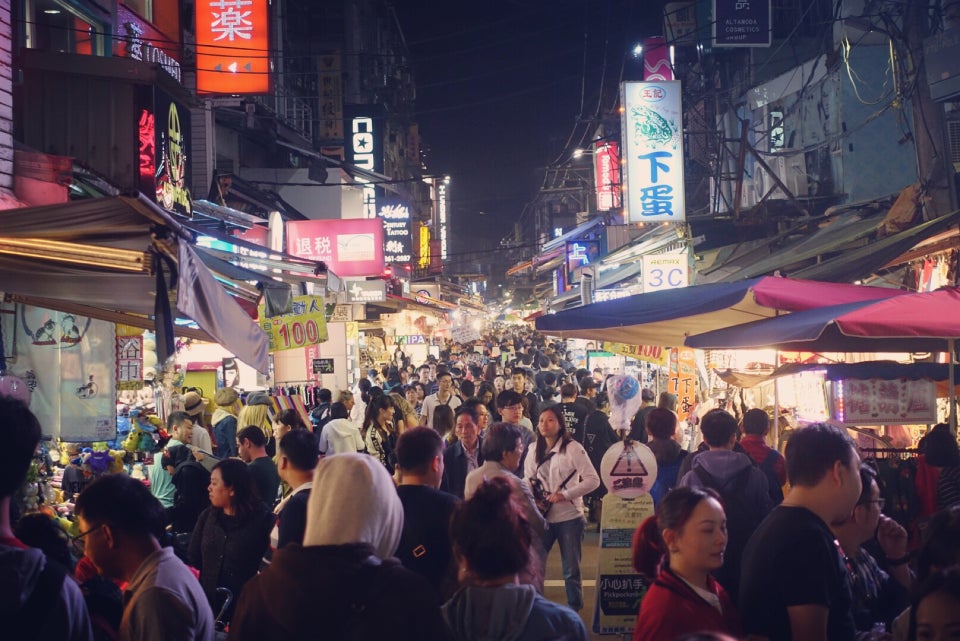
<point>510,407</point>
<point>119,523</point>
<point>878,594</point>
<point>50,604</point>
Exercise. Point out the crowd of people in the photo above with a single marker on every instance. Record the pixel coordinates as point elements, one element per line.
<point>423,503</point>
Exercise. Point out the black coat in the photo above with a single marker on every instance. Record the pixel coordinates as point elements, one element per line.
<point>227,550</point>
<point>455,468</point>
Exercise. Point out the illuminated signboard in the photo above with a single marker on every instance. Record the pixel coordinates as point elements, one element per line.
<point>442,217</point>
<point>396,217</point>
<point>365,150</point>
<point>665,271</point>
<point>742,23</point>
<point>233,46</point>
<point>653,151</point>
<point>164,156</point>
<point>424,260</point>
<point>580,253</point>
<point>350,247</point>
<point>606,158</point>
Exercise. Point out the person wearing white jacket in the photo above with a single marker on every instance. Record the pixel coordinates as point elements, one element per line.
<point>563,468</point>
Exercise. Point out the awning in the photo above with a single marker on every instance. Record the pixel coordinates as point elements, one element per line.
<point>573,234</point>
<point>137,225</point>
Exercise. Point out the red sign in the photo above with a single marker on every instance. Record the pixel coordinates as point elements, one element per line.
<point>656,60</point>
<point>351,247</point>
<point>233,46</point>
<point>256,235</point>
<point>607,158</point>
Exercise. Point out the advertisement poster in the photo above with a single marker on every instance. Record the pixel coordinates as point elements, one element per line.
<point>884,402</point>
<point>69,363</point>
<point>349,247</point>
<point>682,382</point>
<point>619,588</point>
<point>307,325</point>
<point>647,353</point>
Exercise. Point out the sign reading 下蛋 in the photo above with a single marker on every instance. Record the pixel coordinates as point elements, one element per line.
<point>653,151</point>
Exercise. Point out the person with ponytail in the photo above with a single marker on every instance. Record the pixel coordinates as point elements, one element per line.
<point>491,544</point>
<point>677,549</point>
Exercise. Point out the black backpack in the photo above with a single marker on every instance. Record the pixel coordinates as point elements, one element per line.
<point>743,517</point>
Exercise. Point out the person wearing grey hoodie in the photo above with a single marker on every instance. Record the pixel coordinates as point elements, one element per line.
<point>343,582</point>
<point>491,542</point>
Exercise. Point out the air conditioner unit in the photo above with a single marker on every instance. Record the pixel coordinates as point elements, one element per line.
<point>791,169</point>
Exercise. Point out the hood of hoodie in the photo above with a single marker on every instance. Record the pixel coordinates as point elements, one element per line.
<point>348,481</point>
<point>722,464</point>
<point>219,414</point>
<point>667,451</point>
<point>19,572</point>
<point>490,614</point>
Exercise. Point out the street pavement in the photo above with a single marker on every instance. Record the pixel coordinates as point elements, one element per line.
<point>553,588</point>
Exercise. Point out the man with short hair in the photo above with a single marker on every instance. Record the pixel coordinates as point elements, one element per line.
<point>425,545</point>
<point>297,457</point>
<point>742,486</point>
<point>444,396</point>
<point>252,446</point>
<point>756,426</point>
<point>466,454</point>
<point>519,378</point>
<point>795,585</point>
<point>120,523</point>
<point>574,414</point>
<point>46,603</point>
<point>510,408</point>
<point>638,426</point>
<point>179,427</point>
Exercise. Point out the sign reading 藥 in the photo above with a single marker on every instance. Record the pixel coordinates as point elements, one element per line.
<point>232,46</point>
<point>653,151</point>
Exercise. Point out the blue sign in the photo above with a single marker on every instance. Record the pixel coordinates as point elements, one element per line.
<point>580,253</point>
<point>742,23</point>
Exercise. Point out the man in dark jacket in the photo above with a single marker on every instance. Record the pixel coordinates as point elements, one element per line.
<point>191,498</point>
<point>465,455</point>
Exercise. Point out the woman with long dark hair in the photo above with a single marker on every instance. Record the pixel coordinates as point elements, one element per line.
<point>491,543</point>
<point>561,467</point>
<point>378,431</point>
<point>232,534</point>
<point>487,395</point>
<point>678,548</point>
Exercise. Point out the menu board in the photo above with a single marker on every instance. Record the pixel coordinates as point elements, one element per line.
<point>884,402</point>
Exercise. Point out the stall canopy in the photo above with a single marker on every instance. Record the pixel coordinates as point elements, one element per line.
<point>907,323</point>
<point>121,259</point>
<point>668,317</point>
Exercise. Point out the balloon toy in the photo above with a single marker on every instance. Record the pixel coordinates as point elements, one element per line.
<point>624,395</point>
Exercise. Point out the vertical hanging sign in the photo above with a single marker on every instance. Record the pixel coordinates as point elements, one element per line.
<point>232,46</point>
<point>653,151</point>
<point>607,158</point>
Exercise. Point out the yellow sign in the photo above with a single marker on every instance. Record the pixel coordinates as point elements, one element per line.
<point>647,353</point>
<point>353,331</point>
<point>683,371</point>
<point>306,325</point>
<point>424,261</point>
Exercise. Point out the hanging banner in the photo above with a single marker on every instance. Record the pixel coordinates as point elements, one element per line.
<point>646,353</point>
<point>656,59</point>
<point>129,362</point>
<point>69,363</point>
<point>652,125</point>
<point>606,157</point>
<point>305,326</point>
<point>682,382</point>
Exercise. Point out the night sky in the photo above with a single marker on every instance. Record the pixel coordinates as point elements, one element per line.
<point>499,95</point>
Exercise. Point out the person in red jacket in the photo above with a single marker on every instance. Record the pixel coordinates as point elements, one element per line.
<point>677,549</point>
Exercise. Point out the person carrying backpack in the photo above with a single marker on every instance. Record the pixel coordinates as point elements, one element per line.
<point>740,483</point>
<point>756,425</point>
<point>320,415</point>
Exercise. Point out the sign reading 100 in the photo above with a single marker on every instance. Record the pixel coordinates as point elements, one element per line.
<point>298,333</point>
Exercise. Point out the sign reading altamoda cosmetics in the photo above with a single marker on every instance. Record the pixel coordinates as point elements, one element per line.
<point>350,247</point>
<point>396,217</point>
<point>233,38</point>
<point>653,151</point>
<point>164,138</point>
<point>742,23</point>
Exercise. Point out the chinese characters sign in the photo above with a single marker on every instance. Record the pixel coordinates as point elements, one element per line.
<point>885,402</point>
<point>331,98</point>
<point>682,382</point>
<point>349,247</point>
<point>396,219</point>
<point>653,154</point>
<point>580,253</point>
<point>607,159</point>
<point>232,46</point>
<point>306,325</point>
<point>742,23</point>
<point>129,362</point>
<point>619,588</point>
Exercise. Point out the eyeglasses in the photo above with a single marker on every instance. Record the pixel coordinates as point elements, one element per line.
<point>518,406</point>
<point>78,541</point>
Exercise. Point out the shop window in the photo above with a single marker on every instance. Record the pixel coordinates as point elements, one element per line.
<point>57,26</point>
<point>143,8</point>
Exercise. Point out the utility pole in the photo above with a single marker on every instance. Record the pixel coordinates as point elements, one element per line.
<point>933,161</point>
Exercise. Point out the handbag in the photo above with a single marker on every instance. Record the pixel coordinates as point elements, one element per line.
<point>541,497</point>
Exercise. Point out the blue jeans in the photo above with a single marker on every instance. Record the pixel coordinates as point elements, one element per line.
<point>569,534</point>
